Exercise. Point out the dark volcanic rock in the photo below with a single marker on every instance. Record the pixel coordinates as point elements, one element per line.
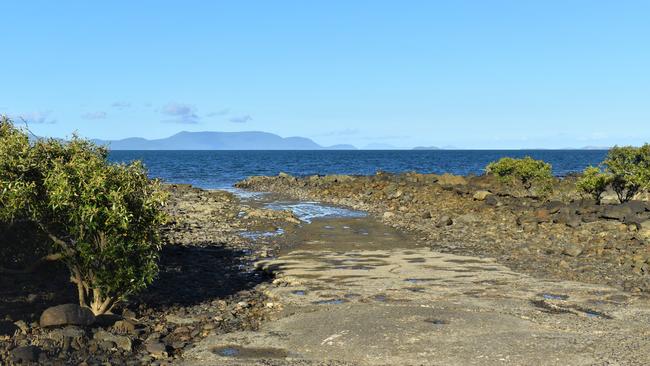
<point>156,348</point>
<point>67,314</point>
<point>120,341</point>
<point>25,354</point>
<point>628,211</point>
<point>572,249</point>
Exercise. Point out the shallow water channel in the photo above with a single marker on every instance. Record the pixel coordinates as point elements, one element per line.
<point>327,227</point>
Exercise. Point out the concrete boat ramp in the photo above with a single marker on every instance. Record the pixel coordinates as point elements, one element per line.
<point>356,292</point>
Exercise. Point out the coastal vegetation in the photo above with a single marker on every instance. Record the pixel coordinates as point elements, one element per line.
<point>100,219</point>
<point>594,182</point>
<point>630,170</point>
<point>533,175</point>
<point>626,170</point>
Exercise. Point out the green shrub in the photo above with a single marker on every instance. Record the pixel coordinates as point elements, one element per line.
<point>102,218</point>
<point>630,170</point>
<point>594,182</point>
<point>531,173</point>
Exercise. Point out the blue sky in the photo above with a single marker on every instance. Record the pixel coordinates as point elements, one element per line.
<point>471,74</point>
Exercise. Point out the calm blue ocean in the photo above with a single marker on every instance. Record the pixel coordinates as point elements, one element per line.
<point>221,169</point>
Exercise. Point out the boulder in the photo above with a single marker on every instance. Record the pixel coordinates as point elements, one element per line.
<point>156,348</point>
<point>554,207</point>
<point>124,326</point>
<point>451,180</point>
<point>66,314</point>
<point>72,333</point>
<point>491,200</point>
<point>637,206</point>
<point>568,215</point>
<point>444,221</point>
<point>120,341</point>
<point>542,215</point>
<point>627,211</point>
<point>644,231</point>
<point>571,249</point>
<point>25,354</point>
<point>481,195</point>
<point>388,215</point>
<point>468,218</point>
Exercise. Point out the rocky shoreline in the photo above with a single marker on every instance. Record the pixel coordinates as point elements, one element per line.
<point>206,285</point>
<point>563,237</point>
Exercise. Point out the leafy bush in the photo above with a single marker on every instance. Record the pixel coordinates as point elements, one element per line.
<point>594,182</point>
<point>529,172</point>
<point>630,170</point>
<point>103,218</point>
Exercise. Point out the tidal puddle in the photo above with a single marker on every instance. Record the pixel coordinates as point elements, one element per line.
<point>419,280</point>
<point>569,309</point>
<point>330,302</point>
<point>554,297</point>
<point>308,211</point>
<point>595,314</point>
<point>245,352</point>
<point>254,235</point>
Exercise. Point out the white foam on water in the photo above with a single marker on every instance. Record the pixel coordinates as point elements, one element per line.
<point>243,193</point>
<point>254,235</point>
<point>308,211</point>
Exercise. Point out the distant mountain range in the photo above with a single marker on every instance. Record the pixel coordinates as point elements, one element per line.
<point>426,148</point>
<point>253,140</point>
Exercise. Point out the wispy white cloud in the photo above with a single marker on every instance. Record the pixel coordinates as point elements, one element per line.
<point>182,113</point>
<point>241,119</point>
<point>39,117</point>
<point>94,115</point>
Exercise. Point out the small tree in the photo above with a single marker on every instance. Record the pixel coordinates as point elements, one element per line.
<point>594,182</point>
<point>630,170</point>
<point>103,218</point>
<point>530,173</point>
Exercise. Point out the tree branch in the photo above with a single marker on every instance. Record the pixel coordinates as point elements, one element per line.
<point>63,244</point>
<point>33,267</point>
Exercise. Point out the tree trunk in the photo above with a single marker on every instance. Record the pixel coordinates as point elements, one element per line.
<point>99,304</point>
